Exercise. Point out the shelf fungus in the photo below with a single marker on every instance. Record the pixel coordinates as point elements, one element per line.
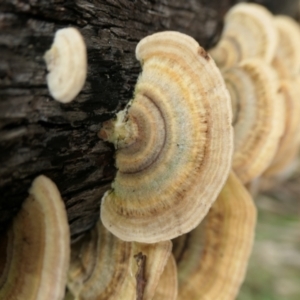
<point>174,142</point>
<point>290,141</point>
<point>36,247</point>
<point>67,65</point>
<point>212,259</point>
<point>258,116</point>
<point>287,58</point>
<point>167,288</point>
<point>105,267</point>
<point>249,32</point>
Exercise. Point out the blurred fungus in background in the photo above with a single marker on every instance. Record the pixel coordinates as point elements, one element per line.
<point>274,267</point>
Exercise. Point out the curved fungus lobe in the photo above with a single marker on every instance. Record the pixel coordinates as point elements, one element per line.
<point>213,261</point>
<point>174,142</point>
<point>289,143</point>
<point>67,65</point>
<point>37,247</point>
<point>287,59</point>
<point>249,32</point>
<point>105,267</point>
<point>167,288</point>
<point>258,116</point>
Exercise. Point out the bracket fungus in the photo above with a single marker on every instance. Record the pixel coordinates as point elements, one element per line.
<point>174,142</point>
<point>212,259</point>
<point>67,65</point>
<point>287,58</point>
<point>105,267</point>
<point>249,32</point>
<point>167,288</point>
<point>37,247</point>
<point>258,116</point>
<point>290,141</point>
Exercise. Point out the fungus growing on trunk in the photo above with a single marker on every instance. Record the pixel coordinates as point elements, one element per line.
<point>287,58</point>
<point>174,142</point>
<point>212,259</point>
<point>258,116</point>
<point>167,288</point>
<point>289,143</point>
<point>249,32</point>
<point>105,267</point>
<point>37,247</point>
<point>67,65</point>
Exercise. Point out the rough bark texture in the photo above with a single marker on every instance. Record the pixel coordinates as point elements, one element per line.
<point>41,136</point>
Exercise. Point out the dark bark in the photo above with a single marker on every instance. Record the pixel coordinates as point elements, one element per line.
<point>41,136</point>
<point>279,7</point>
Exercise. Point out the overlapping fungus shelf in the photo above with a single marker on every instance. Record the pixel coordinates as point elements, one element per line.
<point>105,267</point>
<point>258,116</point>
<point>37,247</point>
<point>212,259</point>
<point>174,142</point>
<point>249,32</point>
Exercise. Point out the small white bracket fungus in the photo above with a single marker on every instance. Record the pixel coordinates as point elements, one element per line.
<point>174,148</point>
<point>67,65</point>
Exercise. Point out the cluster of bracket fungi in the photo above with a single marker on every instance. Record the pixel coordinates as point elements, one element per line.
<point>178,222</point>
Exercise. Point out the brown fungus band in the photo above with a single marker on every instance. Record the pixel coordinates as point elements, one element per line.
<point>174,142</point>
<point>37,247</point>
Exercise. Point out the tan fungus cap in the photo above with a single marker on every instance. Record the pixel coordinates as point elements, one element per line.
<point>289,143</point>
<point>214,256</point>
<point>287,60</point>
<point>258,116</point>
<point>174,142</point>
<point>249,32</point>
<point>167,288</point>
<point>105,267</point>
<point>38,247</point>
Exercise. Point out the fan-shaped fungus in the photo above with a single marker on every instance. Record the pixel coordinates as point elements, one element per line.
<point>174,142</point>
<point>290,140</point>
<point>67,65</point>
<point>212,259</point>
<point>167,288</point>
<point>258,116</point>
<point>105,267</point>
<point>37,247</point>
<point>287,59</point>
<point>249,32</point>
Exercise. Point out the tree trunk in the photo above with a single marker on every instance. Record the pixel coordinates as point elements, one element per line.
<point>41,136</point>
